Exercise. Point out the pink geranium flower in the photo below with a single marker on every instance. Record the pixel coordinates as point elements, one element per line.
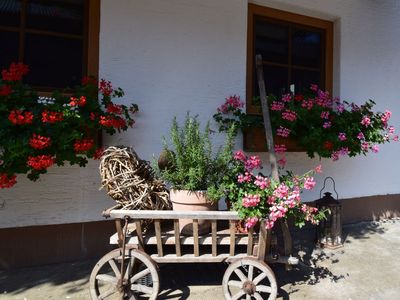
<point>309,183</point>
<point>366,121</point>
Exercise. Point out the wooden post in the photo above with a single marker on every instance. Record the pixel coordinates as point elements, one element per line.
<point>266,118</point>
<point>270,147</point>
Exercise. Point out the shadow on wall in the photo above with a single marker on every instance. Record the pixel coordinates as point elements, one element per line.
<point>42,245</point>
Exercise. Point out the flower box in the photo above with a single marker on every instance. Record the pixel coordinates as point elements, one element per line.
<point>254,141</point>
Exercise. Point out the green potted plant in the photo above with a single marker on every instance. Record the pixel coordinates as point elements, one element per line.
<point>193,169</point>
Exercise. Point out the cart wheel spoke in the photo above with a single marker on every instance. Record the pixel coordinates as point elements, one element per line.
<point>240,274</point>
<point>142,288</point>
<point>235,283</point>
<point>113,266</point>
<point>108,293</point>
<point>107,278</point>
<point>140,275</point>
<point>250,275</point>
<point>129,267</point>
<point>259,278</point>
<point>257,296</point>
<point>238,295</point>
<point>263,289</point>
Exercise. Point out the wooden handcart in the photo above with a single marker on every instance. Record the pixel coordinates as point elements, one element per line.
<point>131,271</point>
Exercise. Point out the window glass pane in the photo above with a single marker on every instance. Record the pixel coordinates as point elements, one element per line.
<point>10,12</point>
<point>271,41</point>
<point>8,49</point>
<point>306,48</point>
<point>54,61</point>
<point>276,81</point>
<point>302,79</point>
<point>60,16</point>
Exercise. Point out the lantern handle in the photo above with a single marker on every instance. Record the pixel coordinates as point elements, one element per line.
<point>334,187</point>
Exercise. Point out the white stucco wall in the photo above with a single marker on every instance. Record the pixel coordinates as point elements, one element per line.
<point>177,55</point>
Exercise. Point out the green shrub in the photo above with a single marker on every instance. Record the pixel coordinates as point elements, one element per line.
<point>192,163</point>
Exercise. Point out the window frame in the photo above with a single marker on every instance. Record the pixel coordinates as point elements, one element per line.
<point>90,37</point>
<point>276,15</point>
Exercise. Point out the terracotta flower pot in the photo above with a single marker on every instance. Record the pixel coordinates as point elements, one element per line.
<point>183,200</point>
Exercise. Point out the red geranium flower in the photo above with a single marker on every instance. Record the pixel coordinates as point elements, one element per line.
<point>7,181</point>
<point>105,87</point>
<point>5,90</point>
<point>52,116</point>
<point>19,117</point>
<point>114,108</point>
<point>109,121</point>
<point>83,145</point>
<point>78,102</point>
<point>39,142</point>
<point>299,97</point>
<point>40,162</point>
<point>99,153</point>
<point>328,145</point>
<point>15,72</point>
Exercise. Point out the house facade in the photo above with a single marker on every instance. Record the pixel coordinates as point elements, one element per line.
<point>175,56</point>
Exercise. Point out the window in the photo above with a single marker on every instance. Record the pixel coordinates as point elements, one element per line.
<point>58,39</point>
<point>296,50</point>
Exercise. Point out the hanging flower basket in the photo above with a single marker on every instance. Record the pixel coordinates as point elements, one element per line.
<point>313,122</point>
<point>39,132</point>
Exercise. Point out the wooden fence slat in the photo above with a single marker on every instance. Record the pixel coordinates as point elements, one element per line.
<point>139,234</point>
<point>250,241</point>
<point>232,229</point>
<point>196,237</point>
<point>157,227</point>
<point>214,237</point>
<point>177,238</point>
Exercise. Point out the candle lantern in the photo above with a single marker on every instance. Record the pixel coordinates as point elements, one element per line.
<point>329,231</point>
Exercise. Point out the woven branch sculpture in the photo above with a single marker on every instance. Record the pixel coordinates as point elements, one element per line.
<point>130,181</point>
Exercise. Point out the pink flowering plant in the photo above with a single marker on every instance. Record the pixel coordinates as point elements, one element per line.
<point>257,197</point>
<point>39,132</point>
<point>320,124</point>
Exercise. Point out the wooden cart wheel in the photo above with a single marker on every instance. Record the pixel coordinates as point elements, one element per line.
<point>249,278</point>
<point>141,280</point>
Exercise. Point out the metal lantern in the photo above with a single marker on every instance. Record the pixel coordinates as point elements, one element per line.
<point>329,231</point>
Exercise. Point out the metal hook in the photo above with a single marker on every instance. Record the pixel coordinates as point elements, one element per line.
<point>334,187</point>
